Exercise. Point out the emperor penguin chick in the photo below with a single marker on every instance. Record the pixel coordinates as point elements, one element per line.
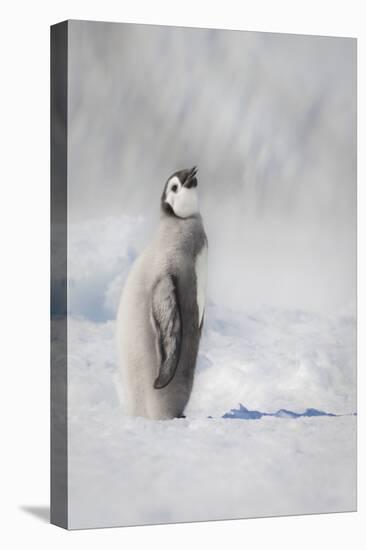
<point>161,310</point>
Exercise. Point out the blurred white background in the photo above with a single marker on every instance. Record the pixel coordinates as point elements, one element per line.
<point>269,119</point>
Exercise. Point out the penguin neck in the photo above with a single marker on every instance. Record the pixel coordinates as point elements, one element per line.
<point>170,220</point>
<point>179,230</point>
<point>177,236</point>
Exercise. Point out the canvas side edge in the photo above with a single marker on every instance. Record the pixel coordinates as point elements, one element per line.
<point>59,469</point>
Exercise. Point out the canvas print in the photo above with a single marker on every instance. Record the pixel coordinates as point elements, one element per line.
<point>203,290</point>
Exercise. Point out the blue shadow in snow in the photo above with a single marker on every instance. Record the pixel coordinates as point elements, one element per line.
<point>245,414</point>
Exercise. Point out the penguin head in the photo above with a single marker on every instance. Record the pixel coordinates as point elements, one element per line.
<point>180,197</point>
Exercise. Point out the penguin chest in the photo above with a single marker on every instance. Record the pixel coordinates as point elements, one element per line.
<point>201,281</point>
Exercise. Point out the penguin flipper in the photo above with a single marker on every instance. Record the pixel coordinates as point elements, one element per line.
<point>166,315</point>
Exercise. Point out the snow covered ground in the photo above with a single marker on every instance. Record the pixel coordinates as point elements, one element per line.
<point>136,471</point>
<point>128,471</point>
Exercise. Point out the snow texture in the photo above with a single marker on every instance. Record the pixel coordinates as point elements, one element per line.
<point>129,471</point>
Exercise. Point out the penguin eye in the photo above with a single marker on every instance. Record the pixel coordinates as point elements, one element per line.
<point>174,188</point>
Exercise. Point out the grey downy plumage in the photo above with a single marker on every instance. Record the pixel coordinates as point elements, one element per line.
<point>161,310</point>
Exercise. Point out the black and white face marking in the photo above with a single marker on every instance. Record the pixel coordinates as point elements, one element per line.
<point>180,194</point>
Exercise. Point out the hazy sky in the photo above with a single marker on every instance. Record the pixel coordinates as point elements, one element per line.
<point>269,119</point>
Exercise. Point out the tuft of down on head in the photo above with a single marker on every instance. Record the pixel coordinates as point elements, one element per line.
<point>180,196</point>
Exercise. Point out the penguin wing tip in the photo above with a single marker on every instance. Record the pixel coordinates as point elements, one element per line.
<point>159,385</point>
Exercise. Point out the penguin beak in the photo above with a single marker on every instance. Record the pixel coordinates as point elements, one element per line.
<point>191,180</point>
